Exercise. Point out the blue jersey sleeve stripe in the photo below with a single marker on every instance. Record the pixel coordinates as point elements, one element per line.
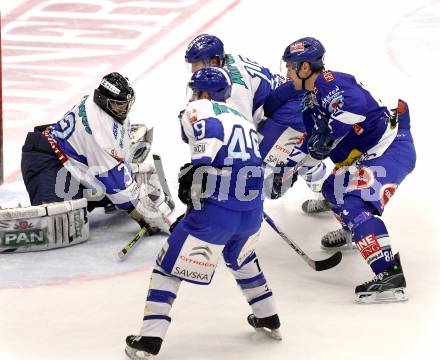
<point>213,129</point>
<point>70,152</point>
<point>128,195</point>
<point>125,206</point>
<point>205,160</point>
<point>116,179</point>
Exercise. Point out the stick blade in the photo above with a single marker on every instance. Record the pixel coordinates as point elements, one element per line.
<point>121,255</point>
<point>329,263</point>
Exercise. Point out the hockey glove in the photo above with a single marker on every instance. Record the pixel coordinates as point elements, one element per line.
<point>190,188</point>
<point>320,142</point>
<point>278,187</point>
<point>174,224</point>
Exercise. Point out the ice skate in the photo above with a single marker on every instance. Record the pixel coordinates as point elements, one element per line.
<point>388,286</point>
<point>314,206</point>
<point>142,347</point>
<point>269,325</point>
<point>340,239</point>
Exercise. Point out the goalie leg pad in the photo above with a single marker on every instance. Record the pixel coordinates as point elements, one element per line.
<point>44,227</point>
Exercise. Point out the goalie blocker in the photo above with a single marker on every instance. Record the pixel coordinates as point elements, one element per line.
<point>44,227</point>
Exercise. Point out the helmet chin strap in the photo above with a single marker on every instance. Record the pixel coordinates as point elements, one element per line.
<point>303,80</point>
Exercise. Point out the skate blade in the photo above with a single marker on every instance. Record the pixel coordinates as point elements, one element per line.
<point>388,296</point>
<point>135,354</point>
<point>274,334</point>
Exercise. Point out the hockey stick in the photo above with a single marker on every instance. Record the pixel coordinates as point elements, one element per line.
<point>130,245</point>
<point>318,265</point>
<point>162,179</point>
<point>295,169</point>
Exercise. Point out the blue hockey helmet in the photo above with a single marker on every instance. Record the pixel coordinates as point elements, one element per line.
<point>203,48</point>
<point>215,81</point>
<point>306,49</point>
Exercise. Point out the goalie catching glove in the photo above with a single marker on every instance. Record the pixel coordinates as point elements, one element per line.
<point>141,139</point>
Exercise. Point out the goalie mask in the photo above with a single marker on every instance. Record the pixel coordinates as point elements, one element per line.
<point>115,96</point>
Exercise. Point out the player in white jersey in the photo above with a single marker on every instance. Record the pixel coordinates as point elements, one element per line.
<point>251,82</point>
<point>88,154</point>
<point>223,188</point>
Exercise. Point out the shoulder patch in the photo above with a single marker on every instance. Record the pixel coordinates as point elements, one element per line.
<point>328,76</point>
<point>192,116</point>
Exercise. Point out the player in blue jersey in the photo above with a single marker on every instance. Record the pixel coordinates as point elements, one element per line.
<point>252,83</point>
<point>88,153</point>
<point>282,147</point>
<point>222,186</point>
<point>373,151</point>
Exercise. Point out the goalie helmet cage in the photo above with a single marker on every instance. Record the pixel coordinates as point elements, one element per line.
<point>1,108</point>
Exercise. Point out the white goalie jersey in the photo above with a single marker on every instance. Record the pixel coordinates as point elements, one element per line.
<point>96,150</point>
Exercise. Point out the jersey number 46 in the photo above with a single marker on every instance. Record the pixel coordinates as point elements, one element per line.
<point>238,148</point>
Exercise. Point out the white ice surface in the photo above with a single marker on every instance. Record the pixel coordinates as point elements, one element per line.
<point>80,302</point>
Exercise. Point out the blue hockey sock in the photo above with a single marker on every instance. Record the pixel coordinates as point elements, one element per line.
<point>372,240</point>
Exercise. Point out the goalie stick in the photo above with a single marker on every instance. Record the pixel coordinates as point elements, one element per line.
<point>144,230</point>
<point>318,265</point>
<point>162,179</point>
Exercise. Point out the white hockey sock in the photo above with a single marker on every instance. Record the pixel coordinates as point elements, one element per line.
<point>161,295</point>
<point>253,284</point>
